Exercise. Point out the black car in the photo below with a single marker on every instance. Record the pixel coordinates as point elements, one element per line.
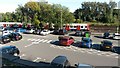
<point>9,49</point>
<point>106,35</point>
<point>106,45</point>
<point>78,33</point>
<point>14,36</point>
<point>62,32</point>
<point>4,39</point>
<point>60,62</point>
<point>116,49</point>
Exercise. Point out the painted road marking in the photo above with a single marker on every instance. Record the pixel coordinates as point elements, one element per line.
<point>49,41</point>
<point>22,55</point>
<point>45,41</point>
<point>36,59</point>
<point>29,45</point>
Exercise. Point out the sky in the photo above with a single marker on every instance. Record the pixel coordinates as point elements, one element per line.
<point>11,5</point>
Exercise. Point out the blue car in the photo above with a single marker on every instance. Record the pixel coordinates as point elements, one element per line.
<point>20,30</point>
<point>86,42</point>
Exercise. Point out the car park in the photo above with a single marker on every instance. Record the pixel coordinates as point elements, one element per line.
<point>45,32</point>
<point>4,39</point>
<point>60,62</point>
<point>106,45</point>
<point>65,40</point>
<point>86,42</point>
<point>116,36</point>
<point>9,49</point>
<point>15,36</point>
<point>116,49</point>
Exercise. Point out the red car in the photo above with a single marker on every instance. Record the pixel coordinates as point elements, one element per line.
<point>65,40</point>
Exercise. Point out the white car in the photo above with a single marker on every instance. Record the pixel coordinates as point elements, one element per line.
<point>29,31</point>
<point>116,36</point>
<point>45,32</point>
<point>6,32</point>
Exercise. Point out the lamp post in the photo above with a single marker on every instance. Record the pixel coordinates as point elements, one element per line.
<point>61,18</point>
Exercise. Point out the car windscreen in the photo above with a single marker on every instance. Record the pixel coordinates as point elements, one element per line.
<point>108,43</point>
<point>85,40</point>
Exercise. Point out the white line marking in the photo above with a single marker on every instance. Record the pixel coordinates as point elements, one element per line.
<point>49,41</point>
<point>45,41</point>
<point>29,39</point>
<point>36,59</point>
<point>22,55</point>
<point>41,40</point>
<point>29,45</point>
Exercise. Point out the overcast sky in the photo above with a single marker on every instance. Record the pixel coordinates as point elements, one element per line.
<point>11,5</point>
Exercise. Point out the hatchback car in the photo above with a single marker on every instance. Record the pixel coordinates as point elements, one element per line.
<point>9,49</point>
<point>60,62</point>
<point>116,49</point>
<point>65,40</point>
<point>4,39</point>
<point>15,36</point>
<point>45,32</point>
<point>86,42</point>
<point>106,45</point>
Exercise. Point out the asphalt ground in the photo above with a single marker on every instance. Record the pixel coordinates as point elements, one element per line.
<point>38,48</point>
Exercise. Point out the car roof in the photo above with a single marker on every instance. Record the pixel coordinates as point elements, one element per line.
<point>59,59</point>
<point>106,41</point>
<point>6,46</point>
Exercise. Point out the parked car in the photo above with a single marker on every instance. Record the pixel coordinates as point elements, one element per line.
<point>60,62</point>
<point>56,31</point>
<point>116,49</point>
<point>4,39</point>
<point>106,35</point>
<point>45,32</point>
<point>20,30</point>
<point>6,32</point>
<point>83,65</point>
<point>37,31</point>
<point>1,28</point>
<point>9,49</point>
<point>15,36</point>
<point>106,45</point>
<point>62,32</point>
<point>86,42</point>
<point>78,33</point>
<point>29,31</point>
<point>116,36</point>
<point>65,40</point>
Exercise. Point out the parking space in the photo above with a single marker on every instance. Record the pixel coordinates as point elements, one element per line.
<point>38,48</point>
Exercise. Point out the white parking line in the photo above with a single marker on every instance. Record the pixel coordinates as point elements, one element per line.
<point>22,55</point>
<point>36,59</point>
<point>29,45</point>
<point>41,40</point>
<point>49,41</point>
<point>45,41</point>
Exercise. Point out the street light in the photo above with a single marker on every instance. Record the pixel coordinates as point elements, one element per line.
<point>61,18</point>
